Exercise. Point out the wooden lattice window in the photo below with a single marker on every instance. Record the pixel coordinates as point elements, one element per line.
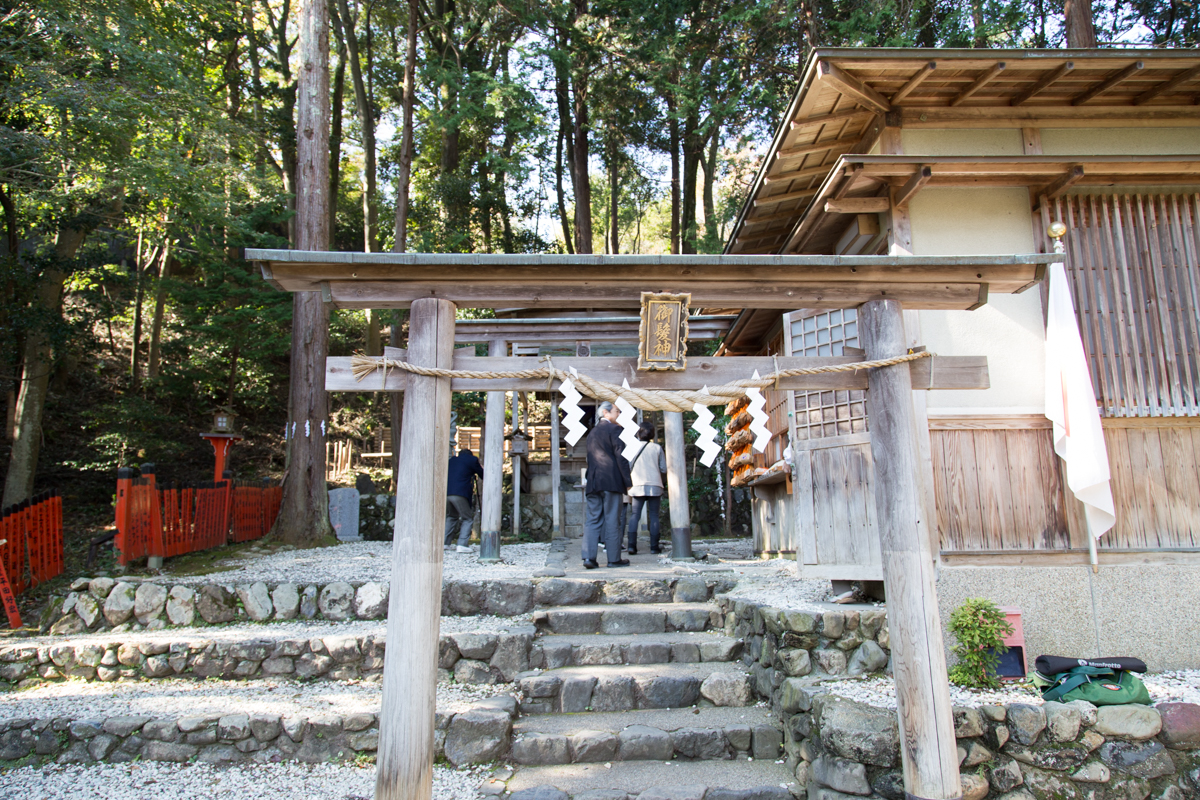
<point>819,415</point>
<point>1134,264</point>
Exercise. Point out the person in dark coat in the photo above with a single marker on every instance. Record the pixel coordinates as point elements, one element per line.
<point>460,488</point>
<point>607,481</point>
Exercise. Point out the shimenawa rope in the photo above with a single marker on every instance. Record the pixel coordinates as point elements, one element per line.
<point>645,399</point>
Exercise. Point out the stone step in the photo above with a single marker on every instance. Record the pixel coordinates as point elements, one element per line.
<point>627,687</point>
<point>181,721</point>
<point>581,650</point>
<point>630,618</point>
<point>678,780</point>
<point>706,734</point>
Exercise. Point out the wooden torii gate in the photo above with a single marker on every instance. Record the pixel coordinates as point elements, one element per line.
<point>435,285</point>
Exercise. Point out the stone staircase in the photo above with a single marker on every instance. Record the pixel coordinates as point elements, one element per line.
<point>645,697</point>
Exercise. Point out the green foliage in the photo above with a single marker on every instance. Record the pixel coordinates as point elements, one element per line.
<point>980,628</point>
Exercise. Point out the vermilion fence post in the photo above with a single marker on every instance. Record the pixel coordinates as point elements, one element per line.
<point>124,520</point>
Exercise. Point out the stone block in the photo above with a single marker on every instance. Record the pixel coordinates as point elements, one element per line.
<point>831,662</point>
<point>308,602</point>
<point>795,662</point>
<point>643,743</point>
<point>336,601</point>
<point>841,775</point>
<point>476,737</point>
<point>857,731</point>
<point>768,740</point>
<point>118,606</point>
<point>727,689</point>
<point>371,601</point>
<point>702,744</point>
<point>576,694</point>
<point>478,646</point>
<point>538,749</point>
<point>688,619</point>
<point>539,793</point>
<point>614,693</point>
<point>591,655</point>
<point>539,686</point>
<point>181,606</point>
<point>166,751</point>
<point>1146,760</point>
<point>285,600</point>
<point>690,590</point>
<point>256,601</point>
<point>148,602</point>
<point>476,672</point>
<point>214,604</point>
<point>685,653</point>
<point>622,621</point>
<point>1180,725</point>
<point>124,726</point>
<point>344,506</point>
<point>1133,722</point>
<point>868,658</point>
<point>637,591</point>
<point>647,653</point>
<point>512,655</point>
<point>720,649</point>
<point>567,621</point>
<point>562,592</point>
<point>1026,723</point>
<point>668,691</point>
<point>968,723</point>
<point>508,598</point>
<point>593,747</point>
<point>1006,776</point>
<point>1062,721</point>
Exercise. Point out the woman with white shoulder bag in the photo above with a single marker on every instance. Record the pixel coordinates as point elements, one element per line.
<point>646,470</point>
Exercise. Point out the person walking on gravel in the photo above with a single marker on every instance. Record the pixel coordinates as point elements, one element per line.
<point>607,481</point>
<point>460,488</point>
<point>646,471</point>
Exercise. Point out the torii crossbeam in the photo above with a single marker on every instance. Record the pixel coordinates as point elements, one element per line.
<point>879,286</point>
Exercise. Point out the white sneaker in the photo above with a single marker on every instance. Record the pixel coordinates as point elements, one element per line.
<point>462,549</point>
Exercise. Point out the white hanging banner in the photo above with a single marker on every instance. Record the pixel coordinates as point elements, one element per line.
<point>707,439</point>
<point>1071,407</point>
<point>758,417</point>
<point>571,410</point>
<point>629,426</point>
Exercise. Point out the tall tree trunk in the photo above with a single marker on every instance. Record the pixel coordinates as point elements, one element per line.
<point>231,383</point>
<point>404,175</point>
<point>568,225</point>
<point>693,149</point>
<point>135,374</point>
<point>304,513</point>
<point>335,132</point>
<point>978,35</point>
<point>1080,24</point>
<point>35,376</point>
<point>154,357</point>
<point>673,126</point>
<point>506,230</point>
<point>614,195</point>
<point>583,181</point>
<point>12,233</point>
<point>712,233</point>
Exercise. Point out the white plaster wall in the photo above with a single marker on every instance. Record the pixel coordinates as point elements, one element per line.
<point>1120,141</point>
<point>962,142</point>
<point>1008,330</point>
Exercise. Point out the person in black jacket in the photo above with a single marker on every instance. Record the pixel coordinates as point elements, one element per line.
<point>460,488</point>
<point>607,481</point>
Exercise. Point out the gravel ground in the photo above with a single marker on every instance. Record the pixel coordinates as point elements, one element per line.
<point>170,698</point>
<point>772,582</point>
<point>296,629</point>
<point>366,561</point>
<point>284,781</point>
<point>1179,686</point>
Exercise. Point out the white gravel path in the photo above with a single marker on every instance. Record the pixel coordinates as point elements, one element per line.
<point>285,781</point>
<point>1179,686</point>
<point>177,698</point>
<point>296,629</point>
<point>361,562</point>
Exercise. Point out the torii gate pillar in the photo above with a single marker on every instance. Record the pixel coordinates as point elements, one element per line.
<point>405,755</point>
<point>927,743</point>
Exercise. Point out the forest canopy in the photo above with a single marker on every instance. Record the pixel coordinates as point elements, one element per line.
<point>144,144</point>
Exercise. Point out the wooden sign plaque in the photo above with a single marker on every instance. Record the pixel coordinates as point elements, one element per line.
<point>662,339</point>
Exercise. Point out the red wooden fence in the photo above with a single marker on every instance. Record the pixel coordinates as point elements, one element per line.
<point>171,521</point>
<point>33,548</point>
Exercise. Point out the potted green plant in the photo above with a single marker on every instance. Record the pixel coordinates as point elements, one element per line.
<point>980,627</point>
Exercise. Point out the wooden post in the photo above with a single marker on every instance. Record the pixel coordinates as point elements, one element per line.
<point>681,521</point>
<point>405,755</point>
<point>555,470</point>
<point>493,469</point>
<point>516,484</point>
<point>927,739</point>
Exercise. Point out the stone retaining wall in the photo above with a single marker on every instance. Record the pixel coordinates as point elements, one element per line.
<point>842,749</point>
<point>106,604</point>
<point>479,734</point>
<point>474,658</point>
<point>792,644</point>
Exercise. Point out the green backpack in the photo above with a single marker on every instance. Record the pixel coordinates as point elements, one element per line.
<point>1097,685</point>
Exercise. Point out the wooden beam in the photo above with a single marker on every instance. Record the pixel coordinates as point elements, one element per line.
<point>1074,175</point>
<point>980,82</point>
<point>1108,83</point>
<point>858,205</point>
<point>913,82</point>
<point>816,147</point>
<point>762,236</point>
<point>913,185</point>
<point>807,172</point>
<point>788,294</point>
<point>784,198</point>
<point>829,119</point>
<point>1044,83</point>
<point>851,86</point>
<point>1167,86</point>
<point>1051,116</point>
<point>919,661</point>
<point>406,748</point>
<point>772,217</point>
<point>938,372</point>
